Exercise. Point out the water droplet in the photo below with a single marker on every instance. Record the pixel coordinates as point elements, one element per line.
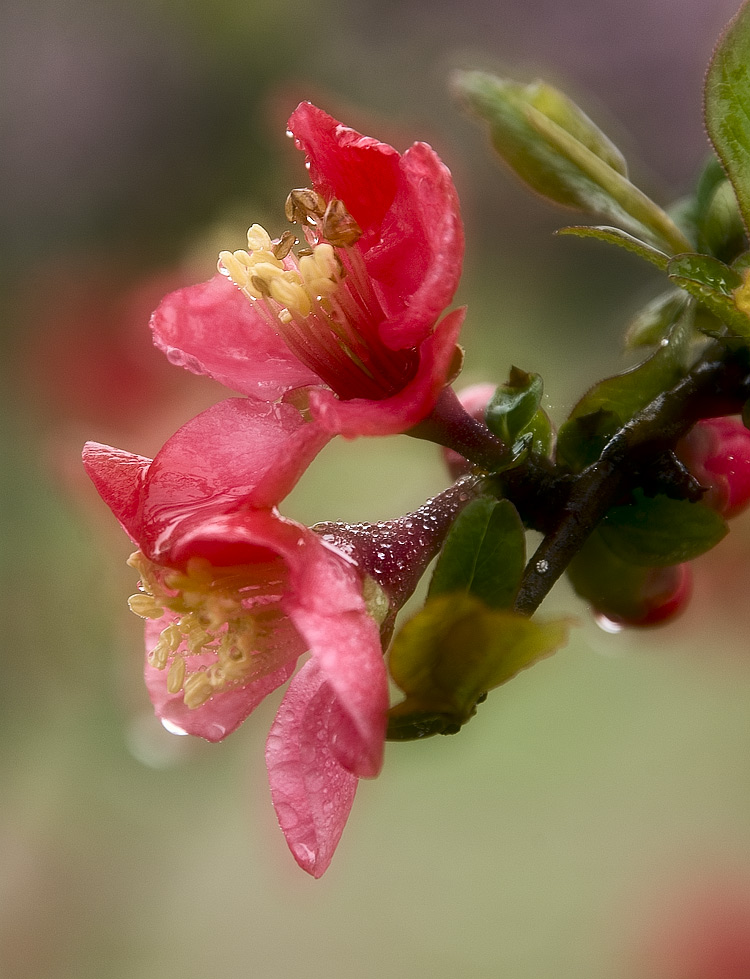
<point>542,566</point>
<point>608,625</point>
<point>172,727</point>
<point>149,744</point>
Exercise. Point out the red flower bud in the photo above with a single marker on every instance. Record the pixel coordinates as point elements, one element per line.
<point>663,595</point>
<point>717,453</point>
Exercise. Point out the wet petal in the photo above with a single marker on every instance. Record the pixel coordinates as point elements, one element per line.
<point>325,604</point>
<point>119,478</point>
<point>240,452</point>
<point>359,170</point>
<point>417,263</point>
<point>312,794</point>
<point>212,329</point>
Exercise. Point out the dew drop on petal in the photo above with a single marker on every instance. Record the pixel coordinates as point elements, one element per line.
<point>172,727</point>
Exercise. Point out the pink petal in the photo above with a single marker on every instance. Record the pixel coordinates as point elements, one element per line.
<point>240,452</point>
<point>325,604</point>
<point>392,416</point>
<point>417,264</point>
<point>361,171</point>
<point>312,794</point>
<point>212,329</point>
<point>217,717</point>
<point>119,479</point>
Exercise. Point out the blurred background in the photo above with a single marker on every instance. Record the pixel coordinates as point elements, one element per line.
<point>592,821</point>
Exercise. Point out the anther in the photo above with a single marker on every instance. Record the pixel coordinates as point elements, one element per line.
<point>145,606</point>
<point>302,204</point>
<point>260,285</point>
<point>284,245</point>
<point>338,226</point>
<point>176,675</point>
<point>258,239</point>
<point>197,690</point>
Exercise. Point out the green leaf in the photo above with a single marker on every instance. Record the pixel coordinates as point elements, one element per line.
<point>611,403</point>
<point>727,97</point>
<point>655,321</point>
<point>642,214</point>
<point>714,285</point>
<point>658,531</point>
<point>502,104</point>
<point>615,236</point>
<point>513,405</point>
<point>483,555</point>
<point>455,650</point>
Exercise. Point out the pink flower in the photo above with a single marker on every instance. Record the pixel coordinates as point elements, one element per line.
<point>233,593</point>
<point>717,453</point>
<point>355,320</point>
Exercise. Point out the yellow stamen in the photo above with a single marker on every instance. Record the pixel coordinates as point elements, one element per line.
<point>221,621</point>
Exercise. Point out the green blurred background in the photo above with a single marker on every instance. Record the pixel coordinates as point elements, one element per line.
<point>589,799</point>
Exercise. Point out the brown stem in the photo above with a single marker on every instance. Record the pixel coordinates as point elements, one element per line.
<point>718,385</point>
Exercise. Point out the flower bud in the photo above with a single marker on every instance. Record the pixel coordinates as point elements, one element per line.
<point>717,453</point>
<point>664,594</point>
<point>624,594</point>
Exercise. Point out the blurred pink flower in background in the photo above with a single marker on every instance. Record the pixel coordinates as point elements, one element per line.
<point>703,934</point>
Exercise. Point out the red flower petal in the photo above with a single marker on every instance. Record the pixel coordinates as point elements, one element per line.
<point>119,478</point>
<point>312,794</point>
<point>417,262</point>
<point>212,329</point>
<point>408,209</point>
<point>240,452</point>
<point>359,170</point>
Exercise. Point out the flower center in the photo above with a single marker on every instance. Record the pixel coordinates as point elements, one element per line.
<point>225,626</point>
<point>321,299</point>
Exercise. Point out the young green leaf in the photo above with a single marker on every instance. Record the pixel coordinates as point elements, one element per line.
<point>727,97</point>
<point>615,236</point>
<point>658,531</point>
<point>455,650</point>
<point>514,405</point>
<point>483,555</point>
<point>502,103</point>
